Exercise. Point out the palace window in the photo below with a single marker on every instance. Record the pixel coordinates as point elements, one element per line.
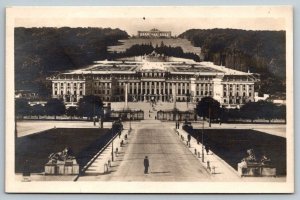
<point>224,94</point>
<point>55,92</point>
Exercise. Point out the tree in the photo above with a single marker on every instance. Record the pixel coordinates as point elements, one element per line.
<point>90,106</point>
<point>71,111</point>
<point>250,111</point>
<point>208,107</point>
<point>22,107</point>
<point>262,109</point>
<point>281,112</point>
<point>55,107</point>
<point>38,110</point>
<point>267,110</point>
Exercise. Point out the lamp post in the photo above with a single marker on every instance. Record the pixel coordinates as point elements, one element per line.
<point>203,138</point>
<point>130,120</point>
<point>112,142</point>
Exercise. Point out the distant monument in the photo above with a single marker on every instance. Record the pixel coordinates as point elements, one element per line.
<point>154,33</point>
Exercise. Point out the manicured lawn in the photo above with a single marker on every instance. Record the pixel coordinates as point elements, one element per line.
<point>36,148</point>
<point>231,145</point>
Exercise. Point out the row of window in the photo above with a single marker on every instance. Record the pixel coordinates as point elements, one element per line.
<point>203,93</point>
<point>68,92</point>
<point>155,83</point>
<point>241,87</point>
<point>69,84</point>
<point>237,94</point>
<point>102,84</point>
<point>102,91</point>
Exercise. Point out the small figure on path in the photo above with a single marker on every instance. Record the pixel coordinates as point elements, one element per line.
<point>207,149</point>
<point>146,165</point>
<point>189,138</point>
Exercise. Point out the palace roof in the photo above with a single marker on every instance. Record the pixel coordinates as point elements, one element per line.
<point>175,66</point>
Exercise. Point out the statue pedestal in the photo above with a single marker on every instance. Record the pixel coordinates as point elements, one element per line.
<point>254,170</point>
<point>68,167</point>
<point>50,168</point>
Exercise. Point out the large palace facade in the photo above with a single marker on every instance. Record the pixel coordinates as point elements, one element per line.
<point>153,80</point>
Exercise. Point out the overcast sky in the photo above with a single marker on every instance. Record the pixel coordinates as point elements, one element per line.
<point>176,25</point>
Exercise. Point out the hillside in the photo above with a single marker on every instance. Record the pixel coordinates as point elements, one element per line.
<point>42,51</point>
<point>258,51</point>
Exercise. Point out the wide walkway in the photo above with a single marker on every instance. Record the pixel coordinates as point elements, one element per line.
<point>170,159</point>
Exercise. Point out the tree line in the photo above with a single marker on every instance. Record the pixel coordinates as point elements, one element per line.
<point>260,52</point>
<point>89,106</point>
<point>40,52</point>
<point>210,108</point>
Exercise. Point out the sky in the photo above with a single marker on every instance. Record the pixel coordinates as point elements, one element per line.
<point>175,25</point>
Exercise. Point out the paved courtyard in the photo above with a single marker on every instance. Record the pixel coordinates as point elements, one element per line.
<point>170,159</point>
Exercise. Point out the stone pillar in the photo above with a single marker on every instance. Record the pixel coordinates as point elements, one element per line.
<point>83,88</point>
<point>193,88</point>
<point>53,88</point>
<point>141,93</point>
<point>174,94</point>
<point>218,89</point>
<point>126,95</point>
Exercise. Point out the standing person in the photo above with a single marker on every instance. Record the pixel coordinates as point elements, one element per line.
<point>207,149</point>
<point>189,138</point>
<point>146,165</point>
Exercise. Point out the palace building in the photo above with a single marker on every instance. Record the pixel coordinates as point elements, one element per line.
<point>154,33</point>
<point>149,78</point>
